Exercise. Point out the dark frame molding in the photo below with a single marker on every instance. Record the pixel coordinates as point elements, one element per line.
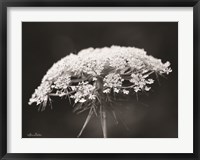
<point>98,3</point>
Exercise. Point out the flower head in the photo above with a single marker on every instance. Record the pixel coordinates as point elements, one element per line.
<point>118,70</point>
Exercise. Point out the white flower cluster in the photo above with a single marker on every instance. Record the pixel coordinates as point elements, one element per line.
<point>140,83</point>
<point>62,82</point>
<point>84,91</point>
<point>113,66</point>
<point>114,81</point>
<point>40,96</point>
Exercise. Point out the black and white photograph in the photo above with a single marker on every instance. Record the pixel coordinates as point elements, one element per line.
<point>99,80</point>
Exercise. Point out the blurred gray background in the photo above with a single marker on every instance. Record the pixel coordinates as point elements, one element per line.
<point>155,115</point>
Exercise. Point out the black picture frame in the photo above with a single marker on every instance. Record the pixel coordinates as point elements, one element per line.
<point>98,3</point>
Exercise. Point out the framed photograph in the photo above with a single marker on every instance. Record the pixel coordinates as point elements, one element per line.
<point>99,79</point>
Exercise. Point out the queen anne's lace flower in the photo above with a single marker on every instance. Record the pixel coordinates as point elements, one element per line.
<point>84,91</point>
<point>140,82</point>
<point>41,94</point>
<point>91,77</point>
<point>83,76</point>
<point>62,82</point>
<point>106,90</point>
<point>113,80</point>
<point>125,91</point>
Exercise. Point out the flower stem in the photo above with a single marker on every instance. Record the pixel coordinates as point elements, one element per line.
<point>86,122</point>
<point>99,86</point>
<point>104,125</point>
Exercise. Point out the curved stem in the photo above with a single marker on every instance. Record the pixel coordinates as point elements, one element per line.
<point>86,122</point>
<point>68,93</point>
